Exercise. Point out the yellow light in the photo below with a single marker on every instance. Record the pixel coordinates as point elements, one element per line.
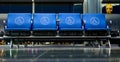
<point>109,8</point>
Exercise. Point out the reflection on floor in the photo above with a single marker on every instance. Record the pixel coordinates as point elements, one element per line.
<point>60,55</point>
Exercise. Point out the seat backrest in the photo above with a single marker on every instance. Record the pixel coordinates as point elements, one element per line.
<point>70,21</point>
<point>44,21</point>
<point>94,21</point>
<point>19,21</point>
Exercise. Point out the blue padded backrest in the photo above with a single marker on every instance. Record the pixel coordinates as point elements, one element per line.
<point>94,21</point>
<point>70,21</point>
<point>19,21</point>
<point>44,21</point>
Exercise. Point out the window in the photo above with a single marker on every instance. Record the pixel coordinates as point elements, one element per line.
<point>59,8</point>
<point>15,8</point>
<point>115,9</point>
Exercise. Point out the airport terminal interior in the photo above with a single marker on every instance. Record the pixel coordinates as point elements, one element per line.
<point>59,30</point>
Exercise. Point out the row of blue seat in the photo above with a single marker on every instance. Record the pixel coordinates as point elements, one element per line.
<point>48,21</point>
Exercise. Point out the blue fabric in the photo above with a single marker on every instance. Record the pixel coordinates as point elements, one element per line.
<point>94,21</point>
<point>70,21</point>
<point>44,21</point>
<point>19,21</point>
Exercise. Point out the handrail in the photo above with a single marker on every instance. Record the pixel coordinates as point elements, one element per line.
<point>56,37</point>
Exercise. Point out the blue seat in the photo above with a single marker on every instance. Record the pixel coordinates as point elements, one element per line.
<point>70,21</point>
<point>44,21</point>
<point>94,21</point>
<point>19,21</point>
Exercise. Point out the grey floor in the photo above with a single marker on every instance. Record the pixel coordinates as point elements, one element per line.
<point>59,54</point>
